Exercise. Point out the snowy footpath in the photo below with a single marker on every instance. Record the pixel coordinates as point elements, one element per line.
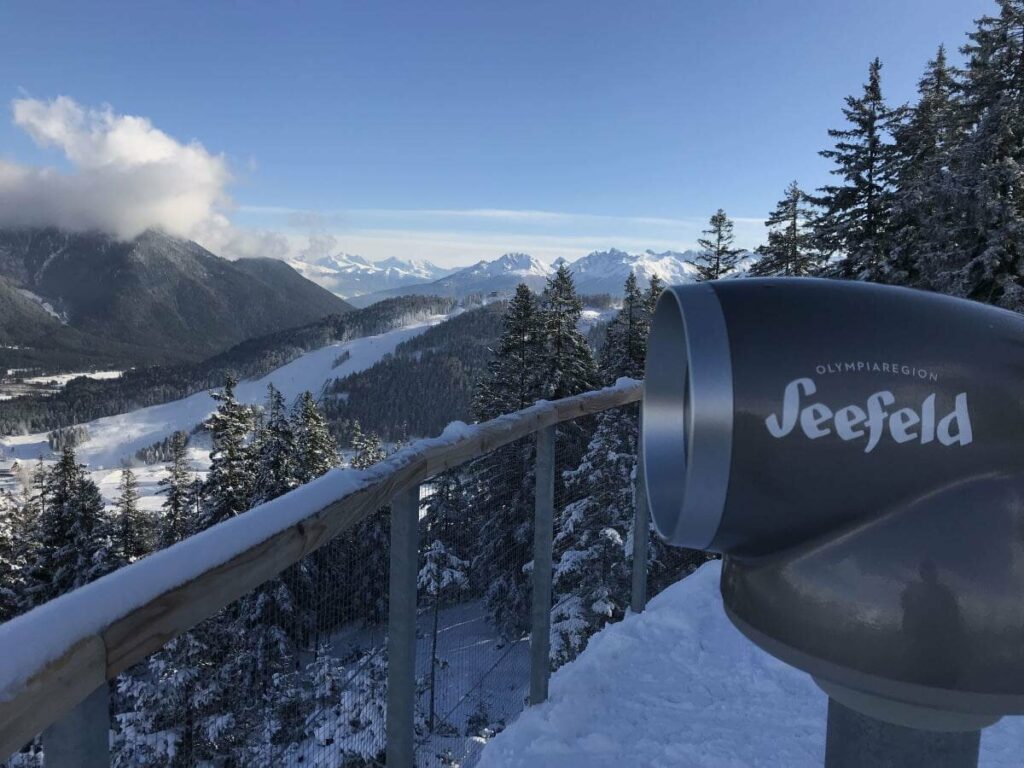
<point>679,687</point>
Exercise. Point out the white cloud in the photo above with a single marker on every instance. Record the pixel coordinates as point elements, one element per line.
<point>125,175</point>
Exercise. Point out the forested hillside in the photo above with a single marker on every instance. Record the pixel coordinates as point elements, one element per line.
<point>87,399</point>
<point>425,384</point>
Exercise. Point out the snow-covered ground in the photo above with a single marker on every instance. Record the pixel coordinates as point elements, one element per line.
<point>114,439</point>
<point>679,686</point>
<point>482,681</point>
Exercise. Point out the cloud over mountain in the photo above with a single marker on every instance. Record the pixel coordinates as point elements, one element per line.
<point>124,175</point>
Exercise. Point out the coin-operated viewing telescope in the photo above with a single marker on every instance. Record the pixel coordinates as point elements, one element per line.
<point>856,453</point>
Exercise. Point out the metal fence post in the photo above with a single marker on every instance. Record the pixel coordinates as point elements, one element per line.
<point>641,531</point>
<point>404,562</point>
<point>81,739</point>
<point>543,534</point>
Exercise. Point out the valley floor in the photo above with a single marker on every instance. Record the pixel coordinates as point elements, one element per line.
<point>678,685</point>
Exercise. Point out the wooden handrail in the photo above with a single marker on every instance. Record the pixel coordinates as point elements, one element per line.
<point>36,696</point>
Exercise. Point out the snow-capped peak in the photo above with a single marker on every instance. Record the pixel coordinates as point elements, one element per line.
<point>606,271</point>
<point>519,264</point>
<point>350,275</point>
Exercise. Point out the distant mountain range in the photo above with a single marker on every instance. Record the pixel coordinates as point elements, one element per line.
<point>348,276</point>
<point>500,276</point>
<point>67,298</point>
<point>597,272</point>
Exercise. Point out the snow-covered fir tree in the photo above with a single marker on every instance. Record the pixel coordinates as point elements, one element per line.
<point>367,447</point>
<point>179,707</point>
<point>513,378</point>
<point>347,708</point>
<point>718,255</point>
<point>227,689</point>
<point>592,566</point>
<point>982,256</point>
<point>567,365</point>
<point>791,250</point>
<point>856,211</point>
<point>179,508</point>
<point>316,451</point>
<point>654,292</point>
<point>922,208</point>
<point>499,485</point>
<point>71,532</point>
<point>276,453</point>
<point>17,548</point>
<point>229,482</point>
<point>625,343</point>
<point>592,570</point>
<point>133,530</point>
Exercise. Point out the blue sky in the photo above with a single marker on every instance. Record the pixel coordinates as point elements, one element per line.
<point>457,131</point>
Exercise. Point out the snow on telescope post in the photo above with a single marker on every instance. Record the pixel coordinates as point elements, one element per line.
<point>856,454</point>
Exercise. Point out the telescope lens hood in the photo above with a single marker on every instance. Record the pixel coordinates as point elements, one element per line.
<point>687,415</point>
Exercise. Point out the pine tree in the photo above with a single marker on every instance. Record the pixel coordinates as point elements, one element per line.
<point>922,213</point>
<point>179,509</point>
<point>229,483</point>
<point>316,452</point>
<point>592,566</point>
<point>790,250</point>
<point>549,359</point>
<point>179,707</point>
<point>276,452</point>
<point>513,375</point>
<point>132,529</point>
<point>17,549</point>
<point>72,546</point>
<point>653,294</point>
<point>348,705</point>
<point>568,364</point>
<point>625,345</point>
<point>367,447</point>
<point>856,216</point>
<point>499,485</point>
<point>980,253</point>
<point>718,257</point>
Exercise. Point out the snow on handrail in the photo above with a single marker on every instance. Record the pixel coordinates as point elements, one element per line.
<point>56,654</point>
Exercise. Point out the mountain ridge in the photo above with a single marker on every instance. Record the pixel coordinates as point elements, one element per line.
<point>595,273</point>
<point>349,275</point>
<point>156,298</point>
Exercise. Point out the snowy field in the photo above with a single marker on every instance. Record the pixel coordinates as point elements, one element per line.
<point>679,687</point>
<point>114,439</point>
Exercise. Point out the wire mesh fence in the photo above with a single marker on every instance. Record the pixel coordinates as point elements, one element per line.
<point>295,673</point>
<point>474,597</point>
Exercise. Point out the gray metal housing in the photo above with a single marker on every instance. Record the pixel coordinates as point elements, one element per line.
<point>855,452</point>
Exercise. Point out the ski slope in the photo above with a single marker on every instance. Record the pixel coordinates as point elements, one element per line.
<point>678,685</point>
<point>113,439</point>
